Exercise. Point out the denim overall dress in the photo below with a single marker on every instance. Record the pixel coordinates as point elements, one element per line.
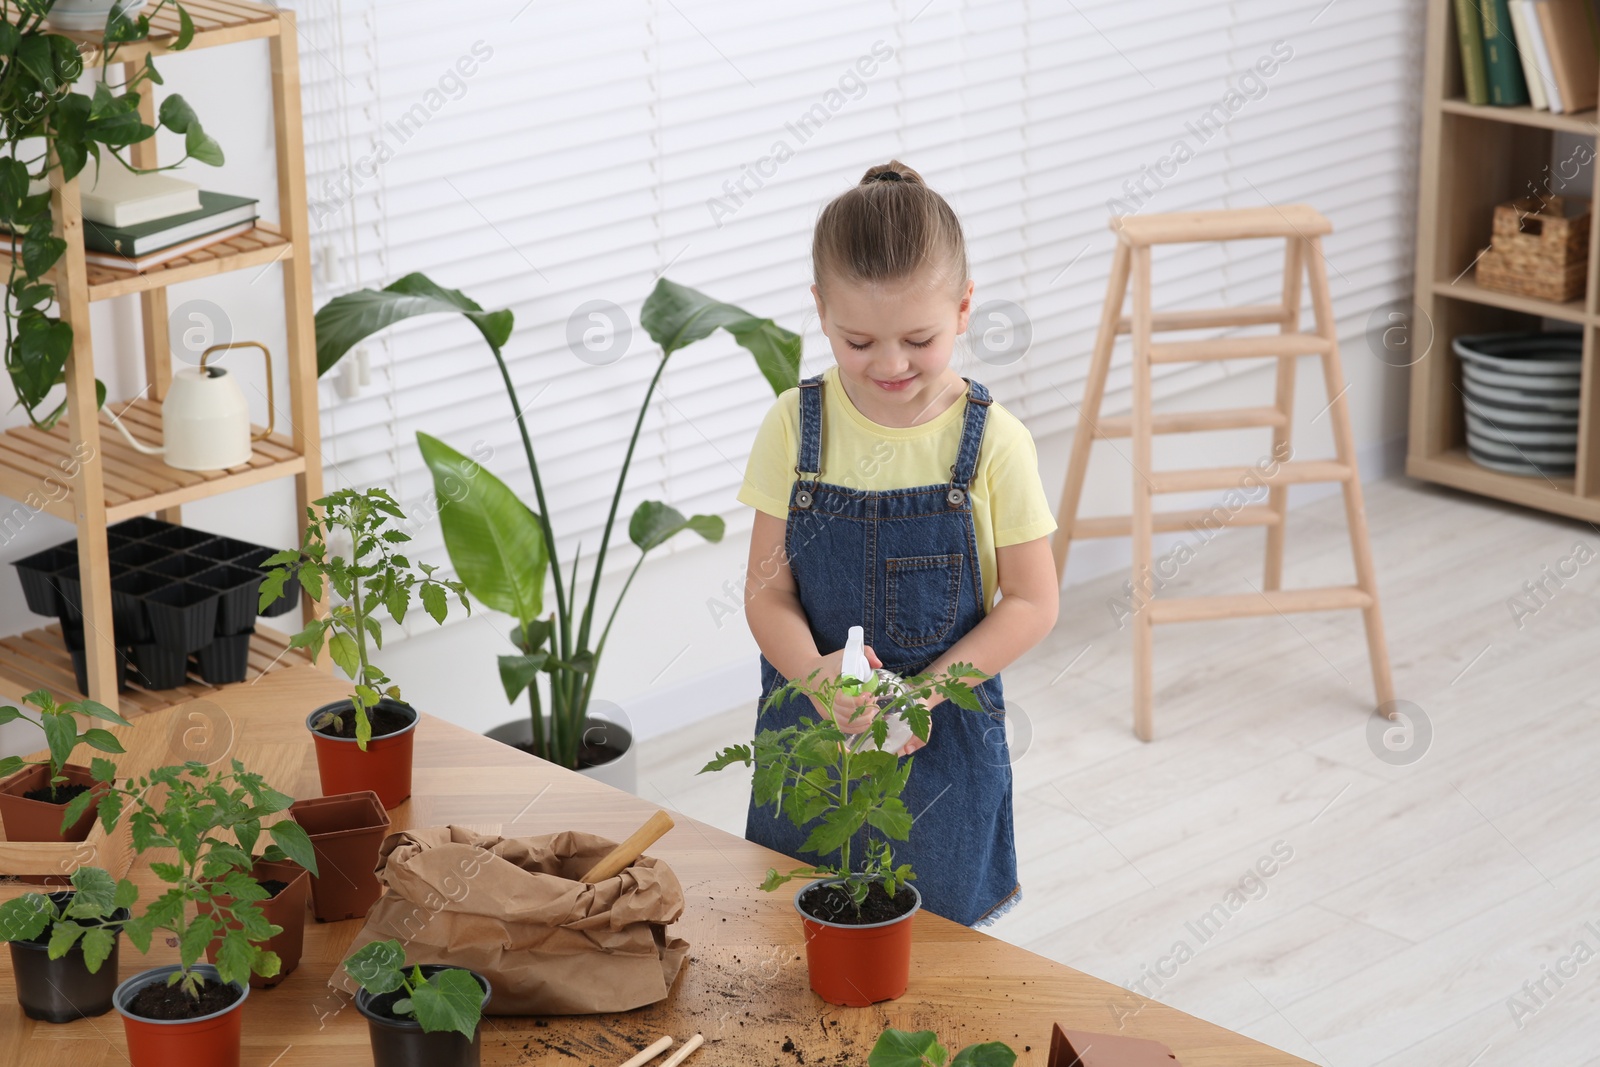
<point>903,565</point>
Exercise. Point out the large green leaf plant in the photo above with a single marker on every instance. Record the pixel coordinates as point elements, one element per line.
<point>499,546</point>
<point>48,131</point>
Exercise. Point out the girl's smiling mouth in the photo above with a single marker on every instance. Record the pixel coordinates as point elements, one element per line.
<point>894,386</point>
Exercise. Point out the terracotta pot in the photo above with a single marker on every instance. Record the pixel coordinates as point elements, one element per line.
<point>39,820</point>
<point>346,832</point>
<point>855,966</point>
<point>384,768</point>
<point>287,909</point>
<point>60,991</point>
<point>212,1039</point>
<point>402,1042</point>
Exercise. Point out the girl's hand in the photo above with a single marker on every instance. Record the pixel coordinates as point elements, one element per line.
<point>844,707</point>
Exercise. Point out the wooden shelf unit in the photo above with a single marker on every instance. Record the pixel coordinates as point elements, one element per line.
<point>82,470</point>
<point>1474,157</point>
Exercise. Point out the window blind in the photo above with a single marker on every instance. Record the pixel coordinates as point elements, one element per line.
<point>537,156</point>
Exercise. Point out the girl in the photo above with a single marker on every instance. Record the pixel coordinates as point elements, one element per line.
<point>892,493</point>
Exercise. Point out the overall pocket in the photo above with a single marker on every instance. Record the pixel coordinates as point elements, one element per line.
<point>923,594</point>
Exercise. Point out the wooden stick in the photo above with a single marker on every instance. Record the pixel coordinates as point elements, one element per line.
<point>620,857</point>
<point>646,1055</point>
<point>683,1053</point>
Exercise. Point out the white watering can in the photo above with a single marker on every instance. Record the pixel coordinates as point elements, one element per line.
<point>205,419</point>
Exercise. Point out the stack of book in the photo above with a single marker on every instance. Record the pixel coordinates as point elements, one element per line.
<point>1539,53</point>
<point>138,221</point>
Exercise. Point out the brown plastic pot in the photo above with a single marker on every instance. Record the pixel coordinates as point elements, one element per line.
<point>287,909</point>
<point>384,768</point>
<point>854,966</point>
<point>346,831</point>
<point>212,1039</point>
<point>40,820</point>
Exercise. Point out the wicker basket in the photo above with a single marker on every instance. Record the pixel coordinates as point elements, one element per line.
<point>1540,248</point>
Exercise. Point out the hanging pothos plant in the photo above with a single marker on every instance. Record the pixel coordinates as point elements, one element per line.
<point>49,129</point>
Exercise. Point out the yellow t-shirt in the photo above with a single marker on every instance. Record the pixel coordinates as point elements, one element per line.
<point>1008,501</point>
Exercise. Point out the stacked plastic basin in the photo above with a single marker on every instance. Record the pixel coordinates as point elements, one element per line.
<point>176,593</point>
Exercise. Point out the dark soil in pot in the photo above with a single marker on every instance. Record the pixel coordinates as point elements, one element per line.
<point>588,755</point>
<point>168,1003</point>
<point>832,903</point>
<point>57,794</point>
<point>385,720</point>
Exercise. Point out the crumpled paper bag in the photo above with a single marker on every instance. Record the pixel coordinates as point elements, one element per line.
<point>512,910</point>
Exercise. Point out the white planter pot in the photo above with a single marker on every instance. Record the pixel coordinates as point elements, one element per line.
<point>621,773</point>
<point>88,16</point>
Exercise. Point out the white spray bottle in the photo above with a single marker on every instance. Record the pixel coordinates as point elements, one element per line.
<point>880,682</point>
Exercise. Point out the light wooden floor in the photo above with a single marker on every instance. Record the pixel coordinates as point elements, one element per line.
<point>1418,899</point>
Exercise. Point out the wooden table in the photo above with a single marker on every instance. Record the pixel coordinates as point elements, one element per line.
<point>743,985</point>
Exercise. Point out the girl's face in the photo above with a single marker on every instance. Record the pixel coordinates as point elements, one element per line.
<point>893,343</point>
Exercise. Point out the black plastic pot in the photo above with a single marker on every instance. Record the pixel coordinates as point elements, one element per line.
<point>60,991</point>
<point>241,591</point>
<point>179,566</point>
<point>127,604</point>
<point>139,528</point>
<point>403,1043</point>
<point>69,591</point>
<point>138,554</point>
<point>159,667</point>
<point>34,573</point>
<point>80,669</point>
<point>291,589</point>
<point>229,550</point>
<point>183,616</point>
<point>226,659</point>
<point>180,538</point>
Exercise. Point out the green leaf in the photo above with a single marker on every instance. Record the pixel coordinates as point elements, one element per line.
<point>63,935</point>
<point>237,957</point>
<point>9,38</point>
<point>8,713</point>
<point>495,543</point>
<point>98,941</point>
<point>988,1054</point>
<point>654,522</point>
<point>296,844</point>
<point>96,710</point>
<point>377,966</point>
<point>95,896</point>
<point>25,918</point>
<point>904,1048</point>
<point>61,732</point>
<point>450,1000</point>
<point>342,647</point>
<point>125,895</point>
<point>518,672</point>
<point>195,937</point>
<point>347,320</point>
<point>272,587</point>
<point>676,316</point>
<point>176,114</point>
<point>433,602</point>
<point>104,740</point>
<point>12,764</point>
<point>202,146</point>
<point>185,30</point>
<point>892,818</point>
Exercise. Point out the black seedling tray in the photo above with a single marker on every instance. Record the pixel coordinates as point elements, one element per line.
<point>72,636</point>
<point>175,591</point>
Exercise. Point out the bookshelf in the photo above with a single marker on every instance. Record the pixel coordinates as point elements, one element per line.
<point>118,482</point>
<point>1474,157</point>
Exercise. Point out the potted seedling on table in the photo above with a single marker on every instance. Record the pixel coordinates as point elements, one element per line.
<point>427,1014</point>
<point>921,1048</point>
<point>188,1012</point>
<point>502,548</point>
<point>857,909</point>
<point>64,945</point>
<point>35,794</point>
<point>364,742</point>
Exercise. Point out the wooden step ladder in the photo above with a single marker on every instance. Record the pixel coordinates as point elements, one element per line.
<point>1302,228</point>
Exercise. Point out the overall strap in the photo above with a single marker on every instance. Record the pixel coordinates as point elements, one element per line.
<point>966,463</point>
<point>809,460</point>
